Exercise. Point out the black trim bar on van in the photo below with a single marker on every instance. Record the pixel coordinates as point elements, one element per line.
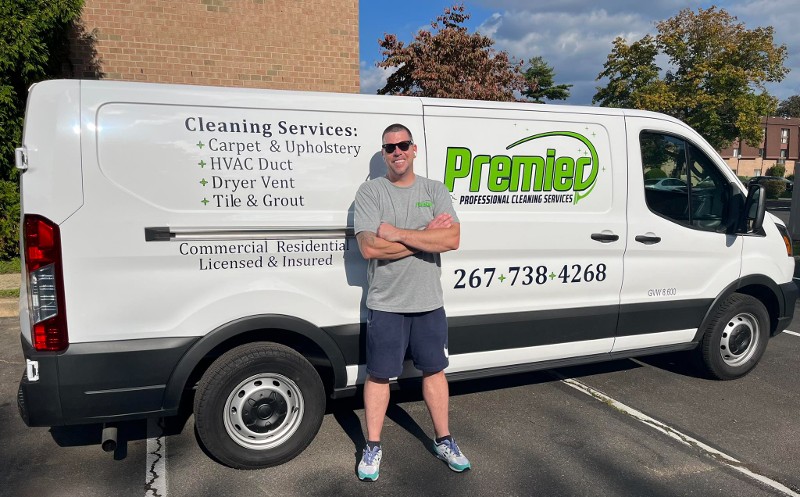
<point>167,234</point>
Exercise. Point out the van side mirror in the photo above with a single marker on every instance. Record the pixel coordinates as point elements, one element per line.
<point>754,209</point>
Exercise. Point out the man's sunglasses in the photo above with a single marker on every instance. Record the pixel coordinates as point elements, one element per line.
<point>389,147</point>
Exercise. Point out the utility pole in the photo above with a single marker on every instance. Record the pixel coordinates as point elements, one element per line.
<point>794,209</point>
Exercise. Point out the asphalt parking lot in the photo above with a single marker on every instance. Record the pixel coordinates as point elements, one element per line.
<point>648,426</point>
<point>660,431</point>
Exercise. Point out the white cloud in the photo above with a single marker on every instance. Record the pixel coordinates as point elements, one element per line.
<point>373,77</point>
<point>662,8</point>
<point>575,45</point>
<point>785,20</point>
<point>576,41</point>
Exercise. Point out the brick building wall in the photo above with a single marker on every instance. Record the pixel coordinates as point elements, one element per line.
<point>281,44</point>
<point>780,146</point>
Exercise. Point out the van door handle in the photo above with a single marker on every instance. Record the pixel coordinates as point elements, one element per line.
<point>647,240</point>
<point>605,237</point>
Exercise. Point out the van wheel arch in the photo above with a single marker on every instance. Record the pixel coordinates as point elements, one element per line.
<point>299,335</point>
<point>760,287</point>
<point>770,301</point>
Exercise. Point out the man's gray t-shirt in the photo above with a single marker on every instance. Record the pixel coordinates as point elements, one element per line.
<point>413,283</point>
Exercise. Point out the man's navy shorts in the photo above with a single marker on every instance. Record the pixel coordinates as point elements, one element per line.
<point>389,334</point>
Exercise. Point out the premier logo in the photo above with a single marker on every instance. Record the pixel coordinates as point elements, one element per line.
<point>551,172</point>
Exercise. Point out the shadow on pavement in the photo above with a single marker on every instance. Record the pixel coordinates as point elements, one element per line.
<point>683,363</point>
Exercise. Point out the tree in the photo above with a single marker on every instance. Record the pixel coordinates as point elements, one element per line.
<point>539,83</point>
<point>716,76</point>
<point>33,46</point>
<point>449,62</point>
<point>789,107</point>
<point>778,170</point>
<point>633,76</point>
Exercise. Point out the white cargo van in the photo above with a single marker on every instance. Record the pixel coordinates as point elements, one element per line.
<point>183,240</point>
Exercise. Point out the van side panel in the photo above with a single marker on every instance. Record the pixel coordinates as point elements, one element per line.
<point>540,194</point>
<point>204,207</point>
<point>253,191</point>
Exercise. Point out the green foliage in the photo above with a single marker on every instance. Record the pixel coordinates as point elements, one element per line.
<point>776,170</point>
<point>633,77</point>
<point>12,293</point>
<point>744,180</point>
<point>790,178</point>
<point>716,77</point>
<point>774,188</point>
<point>789,107</point>
<point>9,223</point>
<point>449,62</point>
<point>33,47</point>
<point>539,83</point>
<point>11,266</point>
<point>655,173</point>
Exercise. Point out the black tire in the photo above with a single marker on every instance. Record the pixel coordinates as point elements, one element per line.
<point>735,338</point>
<point>258,405</point>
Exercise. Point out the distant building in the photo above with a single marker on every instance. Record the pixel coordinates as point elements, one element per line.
<point>779,145</point>
<point>282,44</point>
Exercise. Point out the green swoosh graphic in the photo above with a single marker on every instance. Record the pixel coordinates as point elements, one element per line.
<point>582,139</point>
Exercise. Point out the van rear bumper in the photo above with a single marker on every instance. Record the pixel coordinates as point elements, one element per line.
<point>99,382</point>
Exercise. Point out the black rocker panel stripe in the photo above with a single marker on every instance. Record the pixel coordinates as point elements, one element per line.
<point>528,329</point>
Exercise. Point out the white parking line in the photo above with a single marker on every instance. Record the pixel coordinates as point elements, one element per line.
<point>792,333</point>
<point>677,435</point>
<point>155,479</point>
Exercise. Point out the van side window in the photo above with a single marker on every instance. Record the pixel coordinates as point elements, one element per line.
<point>682,184</point>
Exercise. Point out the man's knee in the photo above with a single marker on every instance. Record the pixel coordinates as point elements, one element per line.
<point>378,381</point>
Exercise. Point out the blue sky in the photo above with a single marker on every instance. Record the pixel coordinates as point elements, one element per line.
<point>573,38</point>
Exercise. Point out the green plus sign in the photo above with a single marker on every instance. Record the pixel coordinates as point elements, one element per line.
<point>552,275</point>
<point>202,163</point>
<point>203,182</point>
<point>200,144</point>
<point>502,278</point>
<point>204,201</point>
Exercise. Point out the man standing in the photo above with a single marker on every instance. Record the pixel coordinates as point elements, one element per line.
<point>402,223</point>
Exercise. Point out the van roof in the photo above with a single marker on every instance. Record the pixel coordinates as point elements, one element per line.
<point>425,101</point>
<point>560,108</point>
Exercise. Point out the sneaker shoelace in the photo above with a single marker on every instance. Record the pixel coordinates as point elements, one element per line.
<point>370,455</point>
<point>453,446</point>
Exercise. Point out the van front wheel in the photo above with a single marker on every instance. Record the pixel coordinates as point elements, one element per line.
<point>258,405</point>
<point>735,338</point>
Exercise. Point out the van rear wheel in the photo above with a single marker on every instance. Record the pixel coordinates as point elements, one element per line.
<point>735,337</point>
<point>258,405</point>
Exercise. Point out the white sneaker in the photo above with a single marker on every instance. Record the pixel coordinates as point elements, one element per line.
<point>449,452</point>
<point>370,464</point>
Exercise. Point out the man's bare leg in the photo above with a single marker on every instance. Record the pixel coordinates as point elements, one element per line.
<point>436,393</point>
<point>376,401</point>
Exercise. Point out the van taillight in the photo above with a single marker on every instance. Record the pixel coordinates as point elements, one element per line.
<point>42,246</point>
